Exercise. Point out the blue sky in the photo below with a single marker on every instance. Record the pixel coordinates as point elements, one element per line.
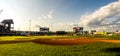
<point>56,14</point>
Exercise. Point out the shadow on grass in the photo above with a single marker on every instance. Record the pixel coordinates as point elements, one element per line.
<point>12,42</point>
<point>16,40</point>
<point>113,50</point>
<point>117,49</point>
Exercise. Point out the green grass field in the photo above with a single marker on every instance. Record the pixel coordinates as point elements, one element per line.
<point>33,49</point>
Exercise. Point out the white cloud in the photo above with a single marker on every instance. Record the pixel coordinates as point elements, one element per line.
<point>49,15</point>
<point>99,18</point>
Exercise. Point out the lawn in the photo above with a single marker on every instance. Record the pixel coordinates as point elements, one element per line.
<point>33,49</point>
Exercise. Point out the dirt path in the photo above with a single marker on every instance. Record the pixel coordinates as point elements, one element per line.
<point>63,41</point>
<point>109,41</point>
<point>66,41</point>
<point>72,41</point>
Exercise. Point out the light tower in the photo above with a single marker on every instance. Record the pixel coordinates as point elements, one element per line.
<point>30,25</point>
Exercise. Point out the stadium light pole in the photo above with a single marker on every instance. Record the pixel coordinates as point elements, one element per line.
<point>30,25</point>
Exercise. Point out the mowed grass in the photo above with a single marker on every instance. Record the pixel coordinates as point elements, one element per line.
<point>33,49</point>
<point>3,38</point>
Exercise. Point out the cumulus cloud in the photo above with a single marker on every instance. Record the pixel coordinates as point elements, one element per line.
<point>101,18</point>
<point>49,15</point>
